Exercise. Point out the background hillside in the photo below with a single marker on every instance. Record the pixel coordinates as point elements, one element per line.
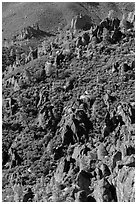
<point>50,16</point>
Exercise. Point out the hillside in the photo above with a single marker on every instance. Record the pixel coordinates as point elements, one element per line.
<point>16,16</point>
<point>69,126</point>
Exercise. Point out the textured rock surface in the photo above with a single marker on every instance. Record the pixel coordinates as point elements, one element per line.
<point>125,185</point>
<point>102,191</point>
<point>69,136</point>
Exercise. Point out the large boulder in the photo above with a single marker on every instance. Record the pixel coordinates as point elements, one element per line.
<point>84,180</point>
<point>81,22</point>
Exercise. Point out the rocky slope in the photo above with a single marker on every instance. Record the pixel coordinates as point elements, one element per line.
<point>16,16</point>
<point>100,168</point>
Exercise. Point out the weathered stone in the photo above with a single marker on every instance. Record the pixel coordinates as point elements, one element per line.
<point>105,170</point>
<point>83,180</point>
<point>125,188</point>
<point>101,152</point>
<point>64,170</point>
<point>84,163</point>
<point>99,174</point>
<point>92,165</point>
<point>93,154</point>
<point>76,152</point>
<point>59,174</point>
<point>116,157</point>
<point>111,149</point>
<point>102,191</point>
<point>83,159</point>
<point>129,161</point>
<point>123,150</point>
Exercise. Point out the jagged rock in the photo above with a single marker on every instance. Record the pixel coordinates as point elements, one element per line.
<point>93,154</point>
<point>125,184</point>
<point>111,149</point>
<point>76,152</point>
<point>127,150</point>
<point>129,161</point>
<point>101,152</point>
<point>84,163</point>
<point>116,157</point>
<point>83,180</point>
<point>62,171</point>
<point>93,164</point>
<point>84,156</point>
<point>124,150</point>
<point>87,163</point>
<point>81,22</point>
<point>99,174</point>
<point>73,191</point>
<point>102,191</point>
<point>105,170</point>
<point>84,168</point>
<point>81,196</point>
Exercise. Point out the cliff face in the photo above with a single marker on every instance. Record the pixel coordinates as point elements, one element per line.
<point>69,136</point>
